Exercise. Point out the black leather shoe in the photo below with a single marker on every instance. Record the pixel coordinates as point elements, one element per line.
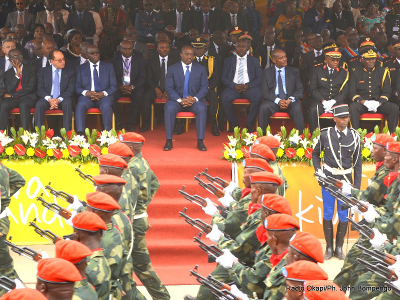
<point>179,128</point>
<point>188,297</point>
<point>201,146</point>
<point>168,146</point>
<point>214,130</point>
<point>144,128</point>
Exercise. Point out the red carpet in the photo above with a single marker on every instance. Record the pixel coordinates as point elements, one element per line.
<point>170,239</point>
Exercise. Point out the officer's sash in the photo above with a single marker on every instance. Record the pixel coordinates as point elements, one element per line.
<point>350,52</point>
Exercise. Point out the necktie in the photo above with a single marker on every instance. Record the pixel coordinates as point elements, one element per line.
<point>49,17</point>
<point>217,49</point>
<point>186,85</point>
<point>80,20</point>
<point>126,70</point>
<point>282,94</point>
<point>179,22</point>
<point>21,18</point>
<point>162,75</point>
<point>233,20</point>
<point>330,72</point>
<point>240,71</point>
<point>318,53</point>
<point>20,83</point>
<point>96,79</point>
<point>206,24</point>
<point>56,84</point>
<point>341,133</point>
<point>268,52</point>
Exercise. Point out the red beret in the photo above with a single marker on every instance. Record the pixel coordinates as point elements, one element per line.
<point>72,251</point>
<point>120,149</point>
<point>270,141</point>
<point>112,160</point>
<point>265,177</point>
<point>88,221</point>
<point>322,290</point>
<point>276,203</point>
<point>102,201</point>
<point>393,147</point>
<point>257,163</point>
<point>308,245</point>
<point>303,270</point>
<point>57,270</point>
<point>131,137</point>
<point>382,139</point>
<point>262,151</point>
<point>104,179</point>
<point>281,222</point>
<point>24,294</point>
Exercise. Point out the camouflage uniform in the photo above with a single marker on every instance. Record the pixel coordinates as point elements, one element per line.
<point>277,170</point>
<point>148,186</point>
<point>10,183</point>
<point>84,291</point>
<point>275,282</point>
<point>99,274</point>
<point>375,190</point>
<point>130,192</point>
<point>251,279</point>
<point>243,247</point>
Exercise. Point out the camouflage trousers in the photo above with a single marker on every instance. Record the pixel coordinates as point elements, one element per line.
<point>221,274</point>
<point>142,263</point>
<point>387,296</point>
<point>129,284</point>
<point>362,289</point>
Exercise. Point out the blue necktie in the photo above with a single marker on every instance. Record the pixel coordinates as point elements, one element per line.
<point>282,94</point>
<point>56,84</point>
<point>96,79</point>
<point>186,86</point>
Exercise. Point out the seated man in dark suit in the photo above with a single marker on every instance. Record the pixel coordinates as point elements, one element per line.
<point>186,85</point>
<point>95,84</point>
<point>282,90</point>
<point>341,19</point>
<point>42,62</point>
<point>312,58</point>
<point>81,20</point>
<point>20,90</point>
<point>241,76</point>
<point>270,44</point>
<point>131,76</point>
<point>205,21</point>
<point>156,70</point>
<point>318,17</point>
<point>55,90</point>
<point>179,17</point>
<point>148,23</point>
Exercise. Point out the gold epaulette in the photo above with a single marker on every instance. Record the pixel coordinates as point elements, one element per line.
<point>384,76</point>
<point>210,66</point>
<point>320,64</point>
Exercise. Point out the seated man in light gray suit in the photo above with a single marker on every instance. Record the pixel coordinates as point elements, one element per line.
<point>20,17</point>
<point>51,16</point>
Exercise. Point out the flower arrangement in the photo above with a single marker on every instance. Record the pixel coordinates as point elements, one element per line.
<point>42,146</point>
<point>294,147</point>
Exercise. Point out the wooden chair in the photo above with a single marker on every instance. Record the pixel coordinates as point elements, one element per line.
<point>240,102</point>
<point>96,111</point>
<point>374,117</point>
<point>56,112</point>
<point>15,112</point>
<point>156,101</point>
<point>187,116</point>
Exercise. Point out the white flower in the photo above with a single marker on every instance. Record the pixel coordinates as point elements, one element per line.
<point>56,139</point>
<point>294,139</point>
<point>25,137</point>
<point>304,143</point>
<point>232,141</point>
<point>232,152</point>
<point>5,140</point>
<point>63,146</point>
<point>314,142</point>
<point>277,136</point>
<point>250,138</point>
<point>113,140</point>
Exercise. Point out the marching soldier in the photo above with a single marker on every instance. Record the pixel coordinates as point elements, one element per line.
<point>370,91</point>
<point>213,66</point>
<point>394,66</point>
<point>10,183</point>
<point>322,289</point>
<point>328,85</point>
<point>342,159</point>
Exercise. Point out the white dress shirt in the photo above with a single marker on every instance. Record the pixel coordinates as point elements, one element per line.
<point>283,76</point>
<point>53,70</point>
<point>337,131</point>
<point>316,53</point>
<point>91,76</point>
<point>245,73</point>
<point>44,61</point>
<point>7,64</point>
<point>177,19</point>
<point>126,67</point>
<point>83,60</point>
<point>235,18</point>
<point>184,73</point>
<point>216,48</point>
<point>50,14</point>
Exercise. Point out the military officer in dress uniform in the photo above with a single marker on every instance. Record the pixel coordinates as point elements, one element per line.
<point>213,66</point>
<point>369,87</point>
<point>393,64</point>
<point>365,43</point>
<point>342,160</point>
<point>328,85</point>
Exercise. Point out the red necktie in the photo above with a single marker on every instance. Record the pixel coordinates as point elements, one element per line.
<point>20,83</point>
<point>20,19</point>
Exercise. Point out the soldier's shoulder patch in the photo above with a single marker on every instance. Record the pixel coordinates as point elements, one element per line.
<point>320,64</point>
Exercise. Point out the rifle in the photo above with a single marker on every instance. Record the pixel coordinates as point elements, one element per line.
<point>219,289</point>
<point>349,201</point>
<point>329,180</point>
<point>55,208</point>
<point>210,187</point>
<point>24,251</point>
<point>196,199</point>
<point>394,288</point>
<point>362,229</point>
<point>47,234</point>
<point>210,249</point>
<point>197,223</point>
<point>6,283</point>
<point>84,176</point>
<point>220,181</point>
<point>378,255</point>
<point>62,195</point>
<point>379,269</point>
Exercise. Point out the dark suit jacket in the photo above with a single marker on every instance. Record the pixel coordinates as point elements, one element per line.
<point>213,21</point>
<point>214,80</point>
<point>175,80</point>
<point>35,9</point>
<point>45,83</point>
<point>294,88</point>
<point>2,73</point>
<point>243,22</point>
<point>307,66</point>
<point>88,25</point>
<point>347,20</point>
<point>36,63</point>
<point>12,20</point>
<point>28,86</point>
<point>262,52</point>
<point>187,21</point>
<point>138,70</point>
<point>174,54</point>
<point>2,63</point>
<point>253,70</point>
<point>324,23</point>
<point>41,17</point>
<point>154,19</point>
<point>153,68</point>
<point>108,81</point>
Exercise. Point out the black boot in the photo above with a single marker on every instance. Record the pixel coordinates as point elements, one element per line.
<point>340,235</point>
<point>328,232</point>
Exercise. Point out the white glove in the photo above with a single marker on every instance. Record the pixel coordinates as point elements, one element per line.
<point>226,260</point>
<point>229,189</point>
<point>321,173</point>
<point>69,221</point>
<point>396,265</point>
<point>370,214</point>
<point>397,282</point>
<point>44,255</point>
<point>76,204</point>
<point>346,188</point>
<point>237,293</point>
<point>356,210</point>
<point>215,234</point>
<point>18,284</point>
<point>375,104</point>
<point>226,200</point>
<point>368,104</point>
<point>328,104</point>
<point>210,209</point>
<point>378,239</point>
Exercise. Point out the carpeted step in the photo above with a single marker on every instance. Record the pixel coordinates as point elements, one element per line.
<point>171,187</point>
<point>188,171</point>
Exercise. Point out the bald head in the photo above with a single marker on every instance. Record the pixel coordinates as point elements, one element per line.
<point>161,36</point>
<point>83,47</point>
<point>47,46</point>
<point>131,30</point>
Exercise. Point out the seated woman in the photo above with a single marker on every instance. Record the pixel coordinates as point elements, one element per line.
<point>38,33</point>
<point>72,50</point>
<point>371,17</point>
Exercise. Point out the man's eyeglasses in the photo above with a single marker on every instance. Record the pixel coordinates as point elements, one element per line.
<point>59,60</point>
<point>16,56</point>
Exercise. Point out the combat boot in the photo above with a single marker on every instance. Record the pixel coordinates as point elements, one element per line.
<point>340,235</point>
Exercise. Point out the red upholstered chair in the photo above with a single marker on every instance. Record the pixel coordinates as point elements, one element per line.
<point>187,116</point>
<point>326,116</point>
<point>280,116</point>
<point>15,111</point>
<point>96,111</point>
<point>56,112</point>
<point>156,101</point>
<point>240,102</point>
<point>374,117</point>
